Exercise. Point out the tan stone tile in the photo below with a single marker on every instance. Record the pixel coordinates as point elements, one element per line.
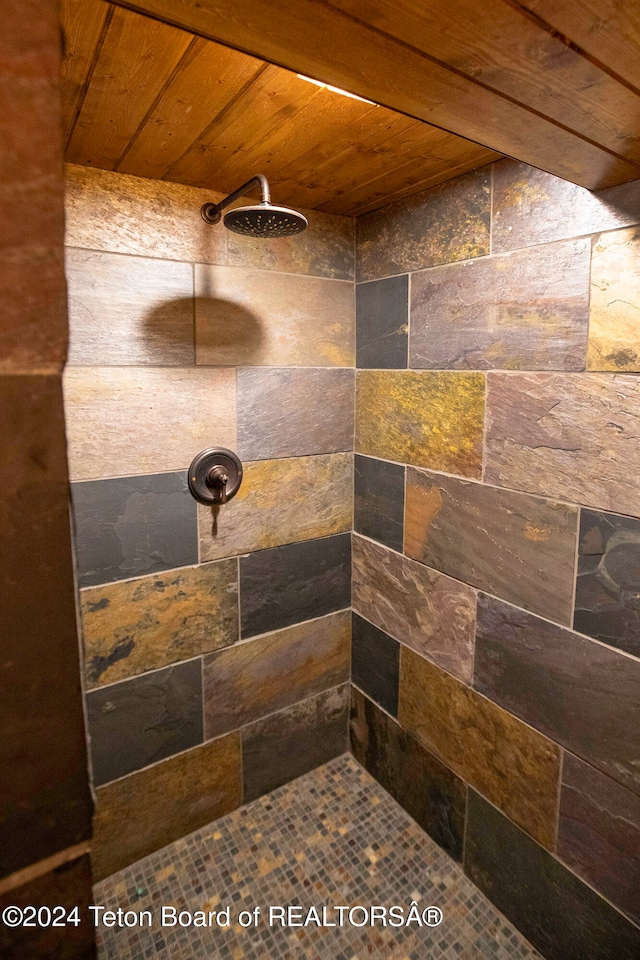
<point>429,419</point>
<point>273,319</point>
<point>253,679</point>
<point>568,437</point>
<point>139,625</point>
<point>129,310</point>
<point>614,318</point>
<point>516,768</point>
<point>280,501</point>
<point>511,544</point>
<point>149,809</point>
<point>142,420</point>
<point>420,607</point>
<point>123,214</point>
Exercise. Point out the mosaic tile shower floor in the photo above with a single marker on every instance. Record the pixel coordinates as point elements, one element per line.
<point>332,837</point>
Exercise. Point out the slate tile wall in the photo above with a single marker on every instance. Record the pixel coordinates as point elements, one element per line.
<point>496,561</point>
<point>216,640</point>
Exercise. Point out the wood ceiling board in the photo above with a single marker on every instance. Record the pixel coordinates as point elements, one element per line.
<point>207,82</point>
<point>315,39</point>
<point>502,47</point>
<point>137,58</point>
<point>385,192</point>
<point>608,31</point>
<point>83,27</point>
<point>268,101</point>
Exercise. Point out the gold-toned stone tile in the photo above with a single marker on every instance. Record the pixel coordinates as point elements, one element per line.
<point>139,625</point>
<point>515,767</point>
<point>141,420</point>
<point>428,419</point>
<point>614,318</point>
<point>149,809</point>
<point>255,317</point>
<point>129,310</point>
<point>254,679</point>
<point>124,214</point>
<point>280,501</point>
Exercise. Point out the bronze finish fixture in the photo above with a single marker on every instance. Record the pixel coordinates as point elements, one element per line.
<point>215,476</point>
<point>262,220</point>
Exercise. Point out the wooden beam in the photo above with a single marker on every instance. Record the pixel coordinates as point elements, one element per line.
<point>316,39</point>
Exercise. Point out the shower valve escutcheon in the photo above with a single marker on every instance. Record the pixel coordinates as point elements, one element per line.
<point>215,476</point>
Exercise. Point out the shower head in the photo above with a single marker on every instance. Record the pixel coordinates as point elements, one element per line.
<point>261,220</point>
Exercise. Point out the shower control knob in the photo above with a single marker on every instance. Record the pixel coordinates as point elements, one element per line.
<point>215,476</point>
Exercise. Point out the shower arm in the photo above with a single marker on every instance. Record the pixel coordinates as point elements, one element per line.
<point>212,212</point>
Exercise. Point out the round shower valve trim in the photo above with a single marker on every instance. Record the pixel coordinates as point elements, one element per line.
<point>215,476</point>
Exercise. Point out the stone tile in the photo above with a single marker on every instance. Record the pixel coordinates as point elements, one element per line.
<point>375,663</point>
<point>608,585</point>
<point>427,790</point>
<point>287,744</point>
<point>123,214</point>
<point>559,914</point>
<point>67,886</point>
<point>445,223</point>
<point>129,310</point>
<point>431,419</point>
<point>293,583</point>
<point>515,767</point>
<point>582,694</point>
<point>334,829</point>
<point>599,833</point>
<point>136,722</point>
<point>379,501</point>
<point>422,608</point>
<point>143,420</point>
<point>325,249</point>
<point>280,501</point>
<point>151,808</point>
<point>566,437</point>
<point>41,716</point>
<point>140,625</point>
<point>131,526</point>
<point>516,546</point>
<point>33,319</point>
<point>382,323</point>
<point>531,206</point>
<point>525,311</point>
<point>294,413</point>
<point>257,318</point>
<point>252,680</point>
<point>614,324</point>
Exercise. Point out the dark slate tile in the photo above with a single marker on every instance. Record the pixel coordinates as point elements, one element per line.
<point>136,722</point>
<point>608,588</point>
<point>285,745</point>
<point>382,322</point>
<point>130,526</point>
<point>599,833</point>
<point>294,412</point>
<point>379,500</point>
<point>375,663</point>
<point>67,886</point>
<point>46,802</point>
<point>448,222</point>
<point>425,787</point>
<point>561,916</point>
<point>293,583</point>
<point>578,692</point>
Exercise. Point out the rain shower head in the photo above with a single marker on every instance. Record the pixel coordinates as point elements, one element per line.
<point>261,220</point>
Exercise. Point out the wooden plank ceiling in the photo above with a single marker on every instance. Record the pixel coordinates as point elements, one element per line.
<point>146,98</point>
<point>553,82</point>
